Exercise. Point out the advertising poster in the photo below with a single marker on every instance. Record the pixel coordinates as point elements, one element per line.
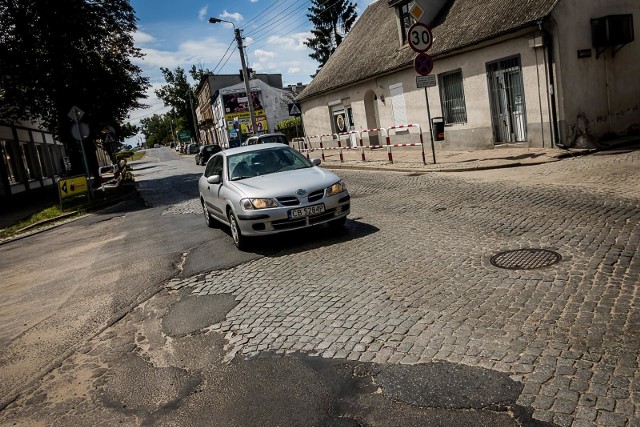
<point>236,109</point>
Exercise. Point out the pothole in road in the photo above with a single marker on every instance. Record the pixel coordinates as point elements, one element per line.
<point>525,259</point>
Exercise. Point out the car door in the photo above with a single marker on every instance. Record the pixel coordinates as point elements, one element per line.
<point>211,192</point>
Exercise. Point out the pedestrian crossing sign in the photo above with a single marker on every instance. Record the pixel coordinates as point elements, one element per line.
<point>294,109</point>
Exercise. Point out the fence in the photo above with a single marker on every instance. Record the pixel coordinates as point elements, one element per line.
<point>335,142</point>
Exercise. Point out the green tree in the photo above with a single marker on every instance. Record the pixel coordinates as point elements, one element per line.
<point>157,129</point>
<point>179,94</point>
<point>332,20</point>
<point>55,54</point>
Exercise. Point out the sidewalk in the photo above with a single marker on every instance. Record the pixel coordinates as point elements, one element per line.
<point>410,158</point>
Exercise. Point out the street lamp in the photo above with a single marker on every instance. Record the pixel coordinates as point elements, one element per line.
<point>245,73</point>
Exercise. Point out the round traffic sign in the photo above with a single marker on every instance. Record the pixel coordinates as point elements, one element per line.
<point>423,64</point>
<point>420,38</point>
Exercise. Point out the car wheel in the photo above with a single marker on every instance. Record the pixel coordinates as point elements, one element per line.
<point>238,239</point>
<point>338,223</point>
<point>208,219</point>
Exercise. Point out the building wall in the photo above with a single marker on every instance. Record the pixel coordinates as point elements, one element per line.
<point>275,102</point>
<point>597,95</point>
<point>477,132</point>
<point>30,159</point>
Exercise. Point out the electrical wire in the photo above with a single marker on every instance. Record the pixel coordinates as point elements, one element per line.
<point>229,57</point>
<point>259,45</point>
<point>276,22</point>
<point>223,55</point>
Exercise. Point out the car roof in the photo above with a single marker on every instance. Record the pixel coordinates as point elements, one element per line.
<point>250,148</point>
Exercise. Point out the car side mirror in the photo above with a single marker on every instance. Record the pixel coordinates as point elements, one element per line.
<point>214,179</point>
<point>316,162</point>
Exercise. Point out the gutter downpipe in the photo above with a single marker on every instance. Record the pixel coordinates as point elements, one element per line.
<point>548,41</point>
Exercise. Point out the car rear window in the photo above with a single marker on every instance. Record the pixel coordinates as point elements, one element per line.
<point>274,138</point>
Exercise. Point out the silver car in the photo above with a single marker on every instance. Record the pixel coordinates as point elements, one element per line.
<point>270,188</point>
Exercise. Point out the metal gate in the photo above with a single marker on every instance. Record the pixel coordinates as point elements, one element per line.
<point>507,100</point>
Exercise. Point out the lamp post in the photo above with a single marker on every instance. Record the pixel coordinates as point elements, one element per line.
<point>245,74</point>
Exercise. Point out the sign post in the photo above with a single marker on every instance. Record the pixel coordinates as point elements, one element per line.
<point>78,131</point>
<point>420,40</point>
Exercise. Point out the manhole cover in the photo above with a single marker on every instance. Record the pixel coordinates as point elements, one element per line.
<point>525,259</point>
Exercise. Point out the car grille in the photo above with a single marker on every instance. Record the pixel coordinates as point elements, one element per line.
<point>294,201</point>
<point>316,195</point>
<point>288,201</point>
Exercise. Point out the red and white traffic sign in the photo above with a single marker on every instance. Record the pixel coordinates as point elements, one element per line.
<point>423,64</point>
<point>420,38</point>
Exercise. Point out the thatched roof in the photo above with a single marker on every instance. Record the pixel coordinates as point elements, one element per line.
<point>372,47</point>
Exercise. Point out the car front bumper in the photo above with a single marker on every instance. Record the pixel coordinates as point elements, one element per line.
<point>272,221</point>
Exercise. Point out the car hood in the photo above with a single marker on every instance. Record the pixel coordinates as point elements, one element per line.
<point>286,183</point>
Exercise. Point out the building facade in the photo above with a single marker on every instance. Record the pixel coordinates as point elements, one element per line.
<point>231,113</point>
<point>32,159</point>
<point>540,74</point>
<point>208,88</point>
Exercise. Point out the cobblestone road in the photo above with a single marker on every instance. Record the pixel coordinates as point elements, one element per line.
<point>411,282</point>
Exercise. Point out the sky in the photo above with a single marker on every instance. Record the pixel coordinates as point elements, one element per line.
<point>175,33</point>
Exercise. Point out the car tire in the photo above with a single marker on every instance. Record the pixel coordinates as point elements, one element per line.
<point>238,239</point>
<point>208,219</point>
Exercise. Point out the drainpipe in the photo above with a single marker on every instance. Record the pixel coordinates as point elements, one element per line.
<point>548,42</point>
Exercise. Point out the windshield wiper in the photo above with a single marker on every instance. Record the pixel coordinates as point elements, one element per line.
<point>236,178</point>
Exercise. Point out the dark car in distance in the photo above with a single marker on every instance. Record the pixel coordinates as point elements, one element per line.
<point>205,152</point>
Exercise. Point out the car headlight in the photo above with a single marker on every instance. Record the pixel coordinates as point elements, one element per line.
<point>249,204</point>
<point>336,188</point>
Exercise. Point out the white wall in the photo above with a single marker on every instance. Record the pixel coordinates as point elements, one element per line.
<point>606,90</point>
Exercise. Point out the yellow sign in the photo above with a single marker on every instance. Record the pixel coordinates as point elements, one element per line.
<point>242,121</point>
<point>72,186</point>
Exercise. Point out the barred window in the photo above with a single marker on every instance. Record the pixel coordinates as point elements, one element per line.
<point>452,97</point>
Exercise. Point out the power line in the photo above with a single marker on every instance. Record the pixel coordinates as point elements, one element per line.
<point>278,22</point>
<point>263,11</point>
<point>223,55</point>
<point>229,57</point>
<point>259,45</point>
<point>278,19</point>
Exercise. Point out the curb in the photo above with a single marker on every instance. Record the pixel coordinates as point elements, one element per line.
<point>24,232</point>
<point>391,168</point>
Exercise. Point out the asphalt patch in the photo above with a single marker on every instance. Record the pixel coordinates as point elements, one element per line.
<point>194,313</point>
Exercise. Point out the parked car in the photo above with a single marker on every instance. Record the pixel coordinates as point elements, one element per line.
<point>193,149</point>
<point>270,188</point>
<point>205,152</point>
<point>267,138</point>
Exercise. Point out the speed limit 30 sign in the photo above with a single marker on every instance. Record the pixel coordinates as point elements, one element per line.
<point>420,38</point>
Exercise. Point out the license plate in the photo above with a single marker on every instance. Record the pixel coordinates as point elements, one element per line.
<point>306,211</point>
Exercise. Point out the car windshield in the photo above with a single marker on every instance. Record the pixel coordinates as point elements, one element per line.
<point>264,162</point>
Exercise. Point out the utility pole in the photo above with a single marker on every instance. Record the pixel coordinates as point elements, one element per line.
<point>247,85</point>
<point>196,137</point>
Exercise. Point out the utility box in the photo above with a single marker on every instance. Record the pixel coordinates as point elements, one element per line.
<point>437,127</point>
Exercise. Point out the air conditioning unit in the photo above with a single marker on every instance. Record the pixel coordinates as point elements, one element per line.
<point>612,30</point>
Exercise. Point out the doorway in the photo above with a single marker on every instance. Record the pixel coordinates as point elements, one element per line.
<point>371,112</point>
<point>506,96</point>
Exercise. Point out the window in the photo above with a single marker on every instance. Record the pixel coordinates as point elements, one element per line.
<point>452,97</point>
<point>10,158</point>
<point>397,104</point>
<point>406,20</point>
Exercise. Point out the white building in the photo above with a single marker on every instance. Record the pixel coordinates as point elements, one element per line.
<point>538,73</point>
<point>231,113</point>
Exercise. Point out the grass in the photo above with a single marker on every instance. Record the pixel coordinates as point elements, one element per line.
<point>137,155</point>
<point>75,206</point>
